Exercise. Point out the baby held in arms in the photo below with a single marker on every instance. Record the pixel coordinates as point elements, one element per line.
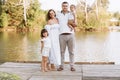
<point>72,23</point>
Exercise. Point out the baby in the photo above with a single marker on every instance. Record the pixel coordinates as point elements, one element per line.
<point>72,23</point>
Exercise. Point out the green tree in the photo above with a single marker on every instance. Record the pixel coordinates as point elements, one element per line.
<point>35,16</point>
<point>17,14</point>
<point>97,15</point>
<point>3,20</point>
<point>3,15</point>
<point>116,15</point>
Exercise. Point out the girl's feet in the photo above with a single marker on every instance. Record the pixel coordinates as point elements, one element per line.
<point>46,70</point>
<point>42,70</point>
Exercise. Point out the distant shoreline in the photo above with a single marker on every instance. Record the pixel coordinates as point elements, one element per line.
<point>78,29</point>
<point>19,30</point>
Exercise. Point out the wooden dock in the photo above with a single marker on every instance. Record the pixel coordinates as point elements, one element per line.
<point>31,71</point>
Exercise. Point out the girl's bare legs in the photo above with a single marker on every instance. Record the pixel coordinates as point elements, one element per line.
<point>42,64</point>
<point>46,62</point>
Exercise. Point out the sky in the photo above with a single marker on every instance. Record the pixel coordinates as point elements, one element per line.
<point>114,5</point>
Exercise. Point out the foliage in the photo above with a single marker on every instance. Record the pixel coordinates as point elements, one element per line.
<point>7,76</point>
<point>116,15</point>
<point>93,20</point>
<point>12,14</point>
<point>3,20</point>
<point>35,16</point>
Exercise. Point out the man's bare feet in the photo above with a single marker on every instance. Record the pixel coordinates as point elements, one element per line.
<point>72,69</point>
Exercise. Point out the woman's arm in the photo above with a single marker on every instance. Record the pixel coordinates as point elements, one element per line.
<point>49,22</point>
<point>57,20</point>
<point>42,45</point>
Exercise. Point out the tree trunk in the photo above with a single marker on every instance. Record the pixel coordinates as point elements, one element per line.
<point>0,7</point>
<point>96,5</point>
<point>24,14</point>
<point>86,14</point>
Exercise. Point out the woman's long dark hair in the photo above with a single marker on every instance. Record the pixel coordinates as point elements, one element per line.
<point>48,14</point>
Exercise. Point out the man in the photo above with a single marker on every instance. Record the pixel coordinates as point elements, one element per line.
<point>66,37</point>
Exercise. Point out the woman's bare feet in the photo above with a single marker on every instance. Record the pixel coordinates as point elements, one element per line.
<point>48,66</point>
<point>53,67</point>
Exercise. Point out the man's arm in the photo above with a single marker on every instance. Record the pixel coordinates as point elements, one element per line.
<point>72,23</point>
<point>71,20</point>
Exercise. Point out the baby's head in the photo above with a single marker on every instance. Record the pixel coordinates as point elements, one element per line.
<point>44,33</point>
<point>72,7</point>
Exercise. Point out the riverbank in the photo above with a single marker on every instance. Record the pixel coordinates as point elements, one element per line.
<point>31,71</point>
<point>78,29</point>
<point>101,29</point>
<point>13,29</point>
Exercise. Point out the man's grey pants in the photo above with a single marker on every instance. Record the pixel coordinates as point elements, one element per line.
<point>67,40</point>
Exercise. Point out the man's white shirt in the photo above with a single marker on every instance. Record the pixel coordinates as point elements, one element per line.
<point>63,22</point>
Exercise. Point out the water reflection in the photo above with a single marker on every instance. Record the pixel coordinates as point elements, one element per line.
<point>90,46</point>
<point>19,46</point>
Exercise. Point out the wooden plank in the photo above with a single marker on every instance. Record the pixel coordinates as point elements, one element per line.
<point>68,62</point>
<point>31,71</point>
<point>56,78</point>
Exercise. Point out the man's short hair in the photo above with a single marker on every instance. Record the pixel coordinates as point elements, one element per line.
<point>65,2</point>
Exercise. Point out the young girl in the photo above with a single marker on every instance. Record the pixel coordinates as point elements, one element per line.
<point>45,49</point>
<point>73,23</point>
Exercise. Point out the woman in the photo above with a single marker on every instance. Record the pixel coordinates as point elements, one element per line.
<point>53,30</point>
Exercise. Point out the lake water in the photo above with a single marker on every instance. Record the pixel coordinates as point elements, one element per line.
<point>90,47</point>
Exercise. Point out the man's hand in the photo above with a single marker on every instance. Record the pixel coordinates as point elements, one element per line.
<point>72,23</point>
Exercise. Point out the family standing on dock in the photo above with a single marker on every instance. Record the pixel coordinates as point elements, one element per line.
<point>58,34</point>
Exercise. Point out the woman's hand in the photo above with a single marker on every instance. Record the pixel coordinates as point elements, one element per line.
<point>42,45</point>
